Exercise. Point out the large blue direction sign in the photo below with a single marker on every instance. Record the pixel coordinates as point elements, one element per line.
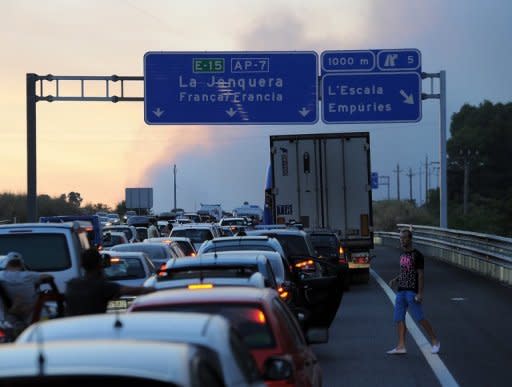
<point>375,180</point>
<point>371,86</point>
<point>231,88</point>
<point>371,97</point>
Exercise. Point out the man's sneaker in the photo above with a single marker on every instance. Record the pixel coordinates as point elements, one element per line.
<point>397,351</point>
<point>436,347</point>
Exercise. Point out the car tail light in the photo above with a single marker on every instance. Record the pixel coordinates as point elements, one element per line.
<point>342,250</point>
<point>200,286</point>
<point>162,272</point>
<point>342,261</point>
<point>307,265</point>
<point>283,293</point>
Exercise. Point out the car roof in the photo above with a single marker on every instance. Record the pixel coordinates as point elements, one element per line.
<point>162,361</point>
<point>239,239</point>
<point>212,259</point>
<point>233,294</point>
<point>140,326</point>
<point>277,231</point>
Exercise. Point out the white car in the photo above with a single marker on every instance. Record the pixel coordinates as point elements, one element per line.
<point>129,268</point>
<point>211,331</point>
<point>197,232</point>
<point>109,363</point>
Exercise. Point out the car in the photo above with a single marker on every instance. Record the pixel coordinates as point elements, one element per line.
<point>114,363</point>
<point>210,331</point>
<point>53,248</point>
<point>319,283</point>
<point>197,232</point>
<point>112,238</point>
<point>280,267</point>
<point>241,243</point>
<point>172,244</point>
<point>142,232</point>
<point>265,323</point>
<point>114,219</point>
<point>214,270</point>
<point>159,253</point>
<point>130,231</point>
<point>233,224</point>
<point>128,268</point>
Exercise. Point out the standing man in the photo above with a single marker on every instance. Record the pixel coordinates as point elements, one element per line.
<point>20,288</point>
<point>91,293</point>
<point>152,229</point>
<point>409,295</point>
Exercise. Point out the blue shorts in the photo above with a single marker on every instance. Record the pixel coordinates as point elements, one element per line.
<point>405,301</point>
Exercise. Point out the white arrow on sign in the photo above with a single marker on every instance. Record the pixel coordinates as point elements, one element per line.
<point>231,112</point>
<point>409,99</point>
<point>158,112</point>
<point>304,112</point>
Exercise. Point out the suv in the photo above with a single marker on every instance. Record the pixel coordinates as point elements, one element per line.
<point>52,248</point>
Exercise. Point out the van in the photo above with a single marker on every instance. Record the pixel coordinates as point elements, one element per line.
<point>53,248</point>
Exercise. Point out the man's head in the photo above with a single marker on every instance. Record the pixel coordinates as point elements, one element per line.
<point>91,260</point>
<point>406,239</point>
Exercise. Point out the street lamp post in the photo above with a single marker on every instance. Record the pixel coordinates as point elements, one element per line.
<point>467,156</point>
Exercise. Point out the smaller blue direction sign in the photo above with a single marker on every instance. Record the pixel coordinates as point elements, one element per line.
<point>399,60</point>
<point>375,97</point>
<point>341,61</point>
<point>375,180</point>
<point>231,87</point>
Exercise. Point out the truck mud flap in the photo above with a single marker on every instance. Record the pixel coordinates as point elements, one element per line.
<point>322,297</point>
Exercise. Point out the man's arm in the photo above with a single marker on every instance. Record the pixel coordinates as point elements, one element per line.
<point>419,296</point>
<point>135,290</point>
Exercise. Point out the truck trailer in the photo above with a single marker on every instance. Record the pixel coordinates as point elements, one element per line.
<point>323,181</point>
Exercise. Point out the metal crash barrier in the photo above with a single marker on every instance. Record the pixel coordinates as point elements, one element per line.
<point>489,255</point>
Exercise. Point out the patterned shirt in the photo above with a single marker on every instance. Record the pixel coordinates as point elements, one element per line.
<point>410,263</point>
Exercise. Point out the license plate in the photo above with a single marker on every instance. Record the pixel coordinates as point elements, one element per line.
<point>118,304</point>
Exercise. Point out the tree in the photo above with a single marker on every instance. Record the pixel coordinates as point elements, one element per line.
<point>74,198</point>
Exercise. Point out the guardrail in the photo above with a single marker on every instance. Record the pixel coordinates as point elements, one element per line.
<point>486,254</point>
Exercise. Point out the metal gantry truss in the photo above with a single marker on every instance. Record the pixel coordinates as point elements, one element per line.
<point>36,92</point>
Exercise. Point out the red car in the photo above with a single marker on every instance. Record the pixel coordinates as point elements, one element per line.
<point>264,321</point>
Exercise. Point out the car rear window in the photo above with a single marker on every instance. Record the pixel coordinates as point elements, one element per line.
<point>195,235</point>
<point>249,320</point>
<point>125,268</point>
<point>236,247</point>
<point>40,251</point>
<point>186,247</point>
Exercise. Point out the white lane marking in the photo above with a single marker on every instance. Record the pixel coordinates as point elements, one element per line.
<point>440,370</point>
<point>458,299</point>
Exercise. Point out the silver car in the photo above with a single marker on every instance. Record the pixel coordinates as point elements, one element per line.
<point>211,331</point>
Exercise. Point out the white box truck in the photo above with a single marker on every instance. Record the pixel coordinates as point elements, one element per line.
<point>323,181</point>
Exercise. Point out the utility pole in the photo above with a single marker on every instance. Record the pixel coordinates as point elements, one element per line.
<point>175,187</point>
<point>420,173</point>
<point>397,171</point>
<point>468,155</point>
<point>410,175</point>
<point>426,179</point>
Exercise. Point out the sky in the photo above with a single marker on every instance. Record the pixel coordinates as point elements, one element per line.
<point>100,148</point>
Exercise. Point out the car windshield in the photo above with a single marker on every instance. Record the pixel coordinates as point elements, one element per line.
<point>294,245</point>
<point>155,252</point>
<point>194,234</point>
<point>250,320</point>
<point>124,268</point>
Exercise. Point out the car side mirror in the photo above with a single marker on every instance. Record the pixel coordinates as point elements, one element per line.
<point>317,335</point>
<point>277,368</point>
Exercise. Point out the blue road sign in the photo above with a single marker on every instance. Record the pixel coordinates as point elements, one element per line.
<point>231,88</point>
<point>375,180</point>
<point>375,97</point>
<point>371,60</point>
<point>340,61</point>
